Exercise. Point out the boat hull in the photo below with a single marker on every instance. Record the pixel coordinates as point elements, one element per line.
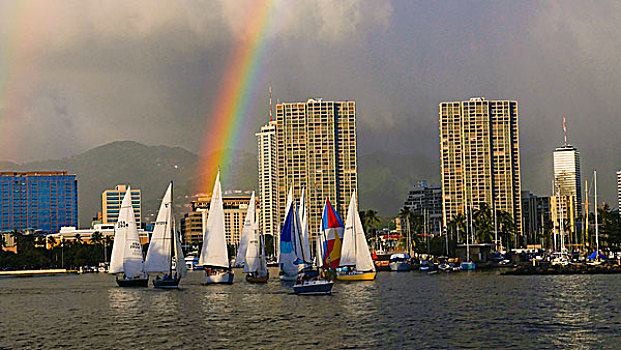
<point>400,266</point>
<point>289,278</point>
<point>317,287</point>
<point>467,266</point>
<point>219,278</point>
<point>257,279</point>
<point>166,284</point>
<point>137,282</point>
<point>356,276</point>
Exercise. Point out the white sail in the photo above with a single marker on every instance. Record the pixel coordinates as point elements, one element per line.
<point>348,247</point>
<point>127,251</point>
<point>243,240</point>
<point>159,255</point>
<point>355,251</point>
<point>214,251</point>
<point>302,214</point>
<point>319,250</point>
<point>252,254</point>
<point>364,261</point>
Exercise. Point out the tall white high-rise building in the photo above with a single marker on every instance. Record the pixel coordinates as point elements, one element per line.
<point>268,180</point>
<point>567,181</point>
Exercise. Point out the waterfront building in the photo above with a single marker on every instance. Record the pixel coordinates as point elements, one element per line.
<point>426,200</point>
<point>71,233</point>
<point>536,215</point>
<point>316,150</point>
<point>269,220</point>
<point>479,156</point>
<point>235,209</point>
<point>111,204</point>
<point>44,200</point>
<point>567,181</point>
<point>192,228</point>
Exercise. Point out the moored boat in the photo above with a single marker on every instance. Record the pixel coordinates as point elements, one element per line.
<point>400,262</point>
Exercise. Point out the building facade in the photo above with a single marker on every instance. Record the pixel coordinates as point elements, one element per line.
<point>235,209</point>
<point>111,204</point>
<point>268,181</point>
<point>426,200</point>
<point>567,182</point>
<point>316,150</point>
<point>479,156</point>
<point>536,216</point>
<point>44,200</point>
<point>192,228</point>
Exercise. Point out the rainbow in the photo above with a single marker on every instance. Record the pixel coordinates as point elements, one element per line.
<point>237,91</point>
<point>20,56</point>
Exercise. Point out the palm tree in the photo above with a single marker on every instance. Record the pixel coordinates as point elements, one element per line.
<point>506,226</point>
<point>371,221</point>
<point>484,223</point>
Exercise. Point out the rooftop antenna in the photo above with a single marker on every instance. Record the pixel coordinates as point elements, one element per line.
<point>565,131</point>
<point>270,89</point>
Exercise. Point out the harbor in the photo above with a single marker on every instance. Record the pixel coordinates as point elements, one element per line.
<point>398,310</point>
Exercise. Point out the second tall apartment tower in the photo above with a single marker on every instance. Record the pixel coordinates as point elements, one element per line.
<point>480,158</point>
<point>315,149</point>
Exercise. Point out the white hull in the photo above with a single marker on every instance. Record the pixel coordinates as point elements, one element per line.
<point>291,278</point>
<point>400,266</point>
<point>219,278</point>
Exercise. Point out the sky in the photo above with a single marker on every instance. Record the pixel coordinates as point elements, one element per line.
<point>78,74</point>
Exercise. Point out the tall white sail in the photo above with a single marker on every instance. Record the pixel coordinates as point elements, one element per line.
<point>251,229</point>
<point>355,250</point>
<point>127,251</point>
<point>348,248</point>
<point>302,214</point>
<point>159,255</point>
<point>214,251</point>
<point>243,240</point>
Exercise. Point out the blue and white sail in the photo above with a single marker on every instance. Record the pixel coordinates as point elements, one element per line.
<point>290,240</point>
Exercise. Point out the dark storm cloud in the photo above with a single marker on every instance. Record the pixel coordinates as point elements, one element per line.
<point>150,72</point>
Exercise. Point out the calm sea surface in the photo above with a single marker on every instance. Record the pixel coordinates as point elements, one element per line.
<point>398,311</point>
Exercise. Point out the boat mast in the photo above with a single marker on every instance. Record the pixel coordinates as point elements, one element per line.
<point>596,224</point>
<point>586,210</point>
<point>172,232</point>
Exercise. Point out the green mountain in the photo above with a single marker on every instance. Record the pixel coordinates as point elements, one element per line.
<point>149,168</point>
<point>383,185</point>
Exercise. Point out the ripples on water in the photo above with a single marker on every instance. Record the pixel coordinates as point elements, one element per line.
<point>399,310</point>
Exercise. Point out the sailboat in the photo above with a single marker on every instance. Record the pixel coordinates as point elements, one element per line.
<point>126,261</point>
<point>320,281</point>
<point>214,254</point>
<point>289,241</point>
<point>355,255</point>
<point>165,248</point>
<point>255,264</point>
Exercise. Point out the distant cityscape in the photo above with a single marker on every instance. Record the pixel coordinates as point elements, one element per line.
<point>311,146</point>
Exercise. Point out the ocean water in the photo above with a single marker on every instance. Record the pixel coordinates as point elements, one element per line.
<point>411,310</point>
